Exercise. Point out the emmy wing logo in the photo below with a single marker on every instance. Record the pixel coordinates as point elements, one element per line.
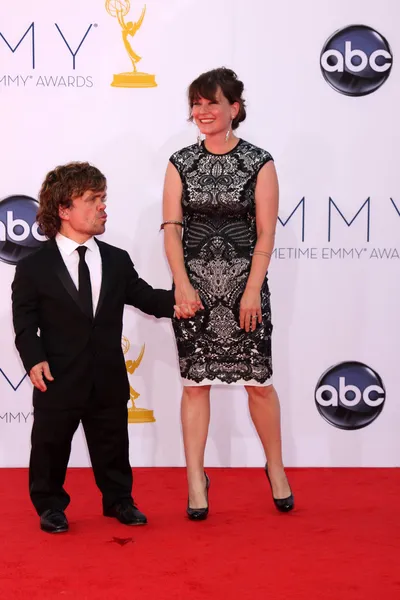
<point>132,79</point>
<point>135,414</point>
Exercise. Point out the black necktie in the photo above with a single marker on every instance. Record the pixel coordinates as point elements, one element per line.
<point>85,287</point>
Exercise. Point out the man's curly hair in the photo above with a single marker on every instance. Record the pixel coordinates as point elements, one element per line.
<point>60,187</point>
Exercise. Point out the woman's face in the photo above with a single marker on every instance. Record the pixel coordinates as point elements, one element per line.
<point>214,116</point>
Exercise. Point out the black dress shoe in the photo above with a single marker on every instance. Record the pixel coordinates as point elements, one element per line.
<point>53,521</point>
<point>282,504</point>
<point>127,513</point>
<point>199,514</point>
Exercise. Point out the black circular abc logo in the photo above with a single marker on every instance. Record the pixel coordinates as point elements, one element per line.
<point>356,60</point>
<point>350,395</point>
<point>19,232</point>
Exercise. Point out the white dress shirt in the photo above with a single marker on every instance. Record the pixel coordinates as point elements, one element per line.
<point>70,256</point>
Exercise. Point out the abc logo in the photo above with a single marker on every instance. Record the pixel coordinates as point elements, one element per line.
<point>19,232</point>
<point>356,60</point>
<point>350,395</point>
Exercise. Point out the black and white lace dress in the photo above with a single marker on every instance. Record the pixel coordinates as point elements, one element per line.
<point>219,236</point>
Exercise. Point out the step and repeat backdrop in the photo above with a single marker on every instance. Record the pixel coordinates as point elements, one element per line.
<point>106,82</point>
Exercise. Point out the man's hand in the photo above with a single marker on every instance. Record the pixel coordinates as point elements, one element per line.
<point>187,300</point>
<point>184,311</point>
<point>36,375</point>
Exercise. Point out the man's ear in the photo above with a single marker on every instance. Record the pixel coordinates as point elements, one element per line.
<point>63,213</point>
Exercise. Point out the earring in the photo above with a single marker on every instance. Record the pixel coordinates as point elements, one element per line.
<point>199,138</point>
<point>228,133</point>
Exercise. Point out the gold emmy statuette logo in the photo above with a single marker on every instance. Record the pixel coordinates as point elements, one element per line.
<point>135,414</point>
<point>133,79</point>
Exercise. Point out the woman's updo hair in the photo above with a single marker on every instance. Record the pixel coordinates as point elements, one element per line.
<point>207,84</point>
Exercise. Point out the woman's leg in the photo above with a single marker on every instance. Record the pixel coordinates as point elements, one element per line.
<point>265,412</point>
<point>195,415</point>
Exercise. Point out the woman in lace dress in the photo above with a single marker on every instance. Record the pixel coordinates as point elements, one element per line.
<point>220,214</point>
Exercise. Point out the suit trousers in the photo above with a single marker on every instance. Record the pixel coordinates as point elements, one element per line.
<point>106,432</point>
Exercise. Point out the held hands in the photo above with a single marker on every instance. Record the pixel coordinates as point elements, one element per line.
<point>187,301</point>
<point>250,309</point>
<point>36,375</point>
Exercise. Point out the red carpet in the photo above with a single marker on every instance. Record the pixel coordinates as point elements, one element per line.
<point>341,543</point>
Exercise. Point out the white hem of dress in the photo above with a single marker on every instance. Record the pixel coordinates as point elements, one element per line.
<point>241,382</point>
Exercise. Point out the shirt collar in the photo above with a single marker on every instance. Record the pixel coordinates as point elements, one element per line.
<point>68,246</point>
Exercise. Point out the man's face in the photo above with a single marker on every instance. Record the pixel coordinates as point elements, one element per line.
<point>86,216</point>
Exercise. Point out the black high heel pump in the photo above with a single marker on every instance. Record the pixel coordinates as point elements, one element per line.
<point>282,504</point>
<point>199,514</point>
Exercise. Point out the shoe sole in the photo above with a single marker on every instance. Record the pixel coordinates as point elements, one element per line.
<point>64,530</point>
<point>129,524</point>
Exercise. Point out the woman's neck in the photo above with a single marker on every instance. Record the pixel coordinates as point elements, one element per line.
<point>218,144</point>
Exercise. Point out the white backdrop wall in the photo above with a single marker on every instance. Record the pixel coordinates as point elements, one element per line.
<point>329,306</point>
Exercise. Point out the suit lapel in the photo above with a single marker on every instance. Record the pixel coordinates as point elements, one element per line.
<point>106,270</point>
<point>61,271</point>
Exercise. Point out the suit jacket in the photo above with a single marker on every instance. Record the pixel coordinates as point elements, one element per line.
<point>83,352</point>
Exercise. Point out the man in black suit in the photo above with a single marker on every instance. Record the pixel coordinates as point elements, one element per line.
<point>68,300</point>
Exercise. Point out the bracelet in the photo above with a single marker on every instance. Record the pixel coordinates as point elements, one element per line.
<point>262,253</point>
<point>171,223</point>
